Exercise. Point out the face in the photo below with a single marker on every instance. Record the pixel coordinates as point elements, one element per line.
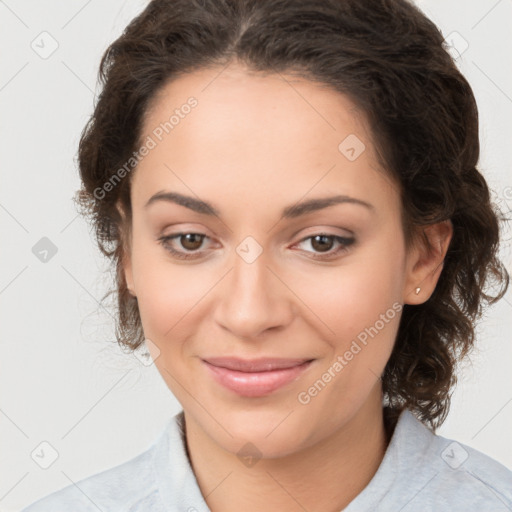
<point>263,273</point>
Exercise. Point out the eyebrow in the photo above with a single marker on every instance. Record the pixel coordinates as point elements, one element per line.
<point>290,212</point>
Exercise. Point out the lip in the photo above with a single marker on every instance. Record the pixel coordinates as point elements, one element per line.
<point>256,377</point>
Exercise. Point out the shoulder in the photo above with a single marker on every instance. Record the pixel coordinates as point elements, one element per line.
<point>469,475</point>
<point>129,486</point>
<point>424,471</point>
<point>448,475</point>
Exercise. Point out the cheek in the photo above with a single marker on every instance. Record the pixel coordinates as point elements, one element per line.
<point>167,293</point>
<point>352,297</point>
<point>361,304</point>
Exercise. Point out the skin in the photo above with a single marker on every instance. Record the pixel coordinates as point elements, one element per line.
<point>254,145</point>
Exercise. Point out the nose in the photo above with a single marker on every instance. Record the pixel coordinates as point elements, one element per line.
<point>253,299</point>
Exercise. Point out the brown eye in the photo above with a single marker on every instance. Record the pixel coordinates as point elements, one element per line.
<point>322,242</point>
<point>191,241</point>
<point>327,246</point>
<point>183,245</point>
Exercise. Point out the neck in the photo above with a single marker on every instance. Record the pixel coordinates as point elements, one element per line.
<point>323,477</point>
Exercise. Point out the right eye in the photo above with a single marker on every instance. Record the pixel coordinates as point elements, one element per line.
<point>189,241</point>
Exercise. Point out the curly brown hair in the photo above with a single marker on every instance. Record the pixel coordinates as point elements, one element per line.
<point>391,61</point>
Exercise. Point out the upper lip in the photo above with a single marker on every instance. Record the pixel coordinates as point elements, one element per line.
<point>254,365</point>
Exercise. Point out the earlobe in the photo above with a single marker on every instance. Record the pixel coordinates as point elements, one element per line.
<point>425,262</point>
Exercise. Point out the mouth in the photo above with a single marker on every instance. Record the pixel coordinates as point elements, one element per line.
<point>256,377</point>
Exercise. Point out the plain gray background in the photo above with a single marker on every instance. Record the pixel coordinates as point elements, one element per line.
<point>63,380</point>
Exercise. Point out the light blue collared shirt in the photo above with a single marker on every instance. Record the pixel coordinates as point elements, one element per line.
<point>419,472</point>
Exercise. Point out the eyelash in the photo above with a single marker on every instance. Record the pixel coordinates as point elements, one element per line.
<point>344,241</point>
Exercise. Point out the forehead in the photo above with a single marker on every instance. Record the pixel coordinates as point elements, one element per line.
<point>235,101</point>
<point>254,135</point>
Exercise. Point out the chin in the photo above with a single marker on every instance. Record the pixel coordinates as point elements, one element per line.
<point>260,445</point>
<point>274,433</point>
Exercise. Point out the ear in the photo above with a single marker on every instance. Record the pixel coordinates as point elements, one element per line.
<point>126,263</point>
<point>425,261</point>
<point>128,274</point>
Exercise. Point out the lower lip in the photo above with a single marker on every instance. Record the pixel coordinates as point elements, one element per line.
<point>256,384</point>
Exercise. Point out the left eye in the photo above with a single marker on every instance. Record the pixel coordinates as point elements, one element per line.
<point>324,242</point>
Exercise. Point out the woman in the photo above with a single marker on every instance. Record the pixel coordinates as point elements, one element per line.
<point>288,191</point>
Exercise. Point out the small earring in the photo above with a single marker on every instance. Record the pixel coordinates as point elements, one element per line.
<point>417,291</point>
